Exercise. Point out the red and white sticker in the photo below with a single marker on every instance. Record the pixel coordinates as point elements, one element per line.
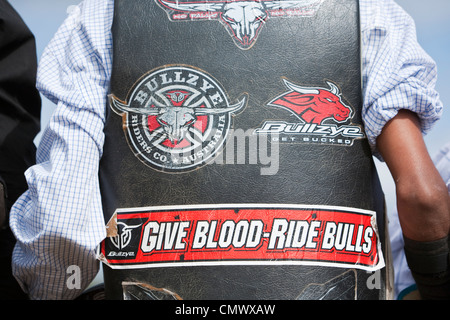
<point>244,234</point>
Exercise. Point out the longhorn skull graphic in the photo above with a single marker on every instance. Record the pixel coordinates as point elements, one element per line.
<point>243,19</point>
<point>175,120</point>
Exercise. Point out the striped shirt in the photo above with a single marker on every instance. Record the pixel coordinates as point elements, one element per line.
<point>59,221</point>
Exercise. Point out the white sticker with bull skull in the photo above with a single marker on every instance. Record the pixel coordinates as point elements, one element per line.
<point>176,118</point>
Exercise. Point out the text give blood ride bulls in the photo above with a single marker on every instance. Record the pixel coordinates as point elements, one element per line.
<point>244,234</point>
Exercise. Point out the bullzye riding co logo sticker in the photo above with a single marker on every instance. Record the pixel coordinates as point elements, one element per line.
<point>176,118</point>
<point>242,19</point>
<point>323,117</point>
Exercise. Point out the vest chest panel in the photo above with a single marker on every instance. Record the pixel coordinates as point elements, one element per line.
<point>235,163</point>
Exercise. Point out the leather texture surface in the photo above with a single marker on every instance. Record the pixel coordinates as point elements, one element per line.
<point>304,50</point>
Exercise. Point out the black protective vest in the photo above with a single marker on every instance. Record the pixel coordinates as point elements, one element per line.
<point>235,163</point>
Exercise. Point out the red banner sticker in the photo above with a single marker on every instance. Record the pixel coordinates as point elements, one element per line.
<point>244,234</point>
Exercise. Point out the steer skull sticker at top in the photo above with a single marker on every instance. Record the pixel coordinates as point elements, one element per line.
<point>242,19</point>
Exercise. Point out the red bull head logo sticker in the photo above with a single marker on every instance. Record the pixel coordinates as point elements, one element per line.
<point>314,105</point>
<point>323,116</point>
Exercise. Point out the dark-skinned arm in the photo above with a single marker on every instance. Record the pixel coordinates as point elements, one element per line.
<point>423,204</point>
<point>423,201</point>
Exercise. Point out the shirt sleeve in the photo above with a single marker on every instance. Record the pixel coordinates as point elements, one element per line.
<point>58,222</point>
<point>397,72</point>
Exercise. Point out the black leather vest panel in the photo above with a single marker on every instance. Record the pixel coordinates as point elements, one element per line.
<point>217,111</point>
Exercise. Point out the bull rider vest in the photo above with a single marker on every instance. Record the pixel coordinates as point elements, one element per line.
<point>235,164</point>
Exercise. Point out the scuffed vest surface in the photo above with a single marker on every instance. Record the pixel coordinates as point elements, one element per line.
<point>235,164</point>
